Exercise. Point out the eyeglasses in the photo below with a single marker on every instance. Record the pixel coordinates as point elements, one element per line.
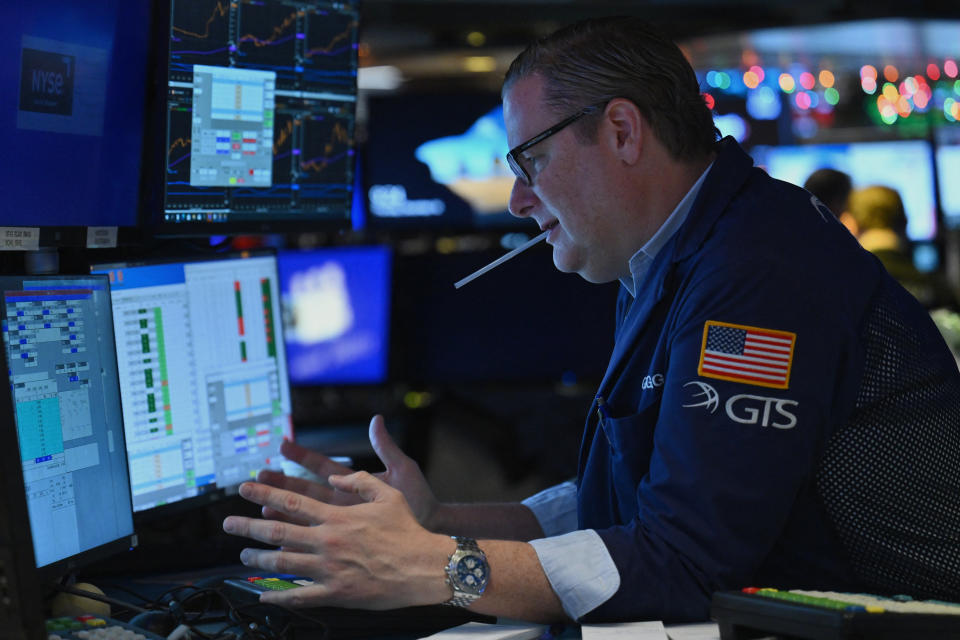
<point>515,160</point>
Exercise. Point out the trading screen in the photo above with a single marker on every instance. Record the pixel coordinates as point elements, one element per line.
<point>261,101</point>
<point>63,374</point>
<point>206,401</point>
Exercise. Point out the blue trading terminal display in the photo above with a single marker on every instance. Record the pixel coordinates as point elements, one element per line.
<point>58,339</point>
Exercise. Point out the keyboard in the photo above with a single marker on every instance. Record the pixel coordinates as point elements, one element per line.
<point>92,627</point>
<point>830,615</point>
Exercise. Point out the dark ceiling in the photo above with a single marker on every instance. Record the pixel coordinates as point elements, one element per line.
<point>401,26</point>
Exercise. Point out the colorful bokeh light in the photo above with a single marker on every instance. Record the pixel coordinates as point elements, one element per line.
<point>787,84</point>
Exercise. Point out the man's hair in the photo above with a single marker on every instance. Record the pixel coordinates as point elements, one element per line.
<point>596,60</point>
<point>878,207</point>
<point>832,188</point>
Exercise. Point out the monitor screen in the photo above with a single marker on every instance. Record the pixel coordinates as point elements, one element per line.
<point>203,377</point>
<point>948,174</point>
<point>59,343</point>
<point>337,314</point>
<point>904,165</point>
<point>437,162</point>
<point>259,115</point>
<point>73,121</point>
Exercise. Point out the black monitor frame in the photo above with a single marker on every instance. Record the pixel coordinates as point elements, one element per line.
<point>156,158</point>
<point>20,612</point>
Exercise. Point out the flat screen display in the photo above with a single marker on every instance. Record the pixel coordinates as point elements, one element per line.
<point>259,115</point>
<point>948,174</point>
<point>72,117</point>
<point>436,162</point>
<point>59,346</point>
<point>336,304</point>
<point>904,165</point>
<point>203,375</point>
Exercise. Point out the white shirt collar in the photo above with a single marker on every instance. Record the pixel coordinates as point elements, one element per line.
<point>640,261</point>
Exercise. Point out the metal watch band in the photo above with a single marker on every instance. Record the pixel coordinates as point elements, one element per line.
<point>459,598</point>
<point>462,600</point>
<point>466,543</point>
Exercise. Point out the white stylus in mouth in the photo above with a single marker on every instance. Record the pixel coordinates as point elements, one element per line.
<point>502,259</point>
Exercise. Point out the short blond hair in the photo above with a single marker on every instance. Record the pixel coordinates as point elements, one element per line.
<point>878,207</point>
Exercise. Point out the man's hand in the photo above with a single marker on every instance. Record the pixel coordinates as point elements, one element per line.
<point>401,472</point>
<point>372,554</point>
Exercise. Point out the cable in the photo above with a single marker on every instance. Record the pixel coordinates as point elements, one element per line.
<point>98,597</point>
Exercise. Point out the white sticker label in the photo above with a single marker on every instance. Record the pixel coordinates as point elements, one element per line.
<point>19,238</point>
<point>101,237</point>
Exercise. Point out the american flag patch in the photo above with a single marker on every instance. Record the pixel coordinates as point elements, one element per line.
<point>746,354</point>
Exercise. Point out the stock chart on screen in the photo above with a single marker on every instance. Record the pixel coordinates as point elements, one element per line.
<point>261,102</point>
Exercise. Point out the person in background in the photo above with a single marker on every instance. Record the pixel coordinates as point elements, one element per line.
<point>776,409</point>
<point>832,187</point>
<point>881,223</point>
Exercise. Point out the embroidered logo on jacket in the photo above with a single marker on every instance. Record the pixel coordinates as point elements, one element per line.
<point>745,408</point>
<point>751,355</point>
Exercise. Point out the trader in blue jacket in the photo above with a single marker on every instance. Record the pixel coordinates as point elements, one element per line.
<point>777,411</point>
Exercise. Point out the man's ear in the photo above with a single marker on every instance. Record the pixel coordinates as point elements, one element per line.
<point>626,129</point>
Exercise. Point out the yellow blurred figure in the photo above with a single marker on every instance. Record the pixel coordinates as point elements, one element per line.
<point>881,224</point>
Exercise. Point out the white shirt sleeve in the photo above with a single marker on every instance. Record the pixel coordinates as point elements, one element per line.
<point>555,508</point>
<point>580,570</point>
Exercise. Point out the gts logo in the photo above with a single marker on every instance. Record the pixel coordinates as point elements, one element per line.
<point>746,408</point>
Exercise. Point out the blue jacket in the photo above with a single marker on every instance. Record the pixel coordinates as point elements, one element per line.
<point>751,379</point>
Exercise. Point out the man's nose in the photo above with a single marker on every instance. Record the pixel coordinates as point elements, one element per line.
<point>522,199</point>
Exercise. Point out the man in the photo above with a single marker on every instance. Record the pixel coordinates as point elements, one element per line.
<point>776,411</point>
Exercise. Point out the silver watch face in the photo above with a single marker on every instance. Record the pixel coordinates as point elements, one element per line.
<point>470,573</point>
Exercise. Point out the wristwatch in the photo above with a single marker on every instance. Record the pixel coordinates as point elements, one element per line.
<point>467,572</point>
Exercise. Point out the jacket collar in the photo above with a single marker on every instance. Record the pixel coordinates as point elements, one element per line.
<point>729,172</point>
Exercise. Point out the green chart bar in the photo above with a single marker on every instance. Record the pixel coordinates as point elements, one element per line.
<point>240,328</point>
<point>164,379</point>
<point>268,317</point>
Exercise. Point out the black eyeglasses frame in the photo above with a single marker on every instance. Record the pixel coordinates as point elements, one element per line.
<point>513,156</point>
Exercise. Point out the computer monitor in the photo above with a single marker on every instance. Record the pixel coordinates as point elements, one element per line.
<point>436,162</point>
<point>948,174</point>
<point>74,127</point>
<point>203,375</point>
<point>21,611</point>
<point>257,116</point>
<point>904,165</point>
<point>62,366</point>
<point>337,314</point>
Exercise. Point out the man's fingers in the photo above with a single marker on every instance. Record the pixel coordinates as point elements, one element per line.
<point>293,505</point>
<point>316,462</point>
<point>312,595</point>
<point>280,561</point>
<point>273,514</point>
<point>363,484</point>
<point>315,490</point>
<point>273,532</point>
<point>386,448</point>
